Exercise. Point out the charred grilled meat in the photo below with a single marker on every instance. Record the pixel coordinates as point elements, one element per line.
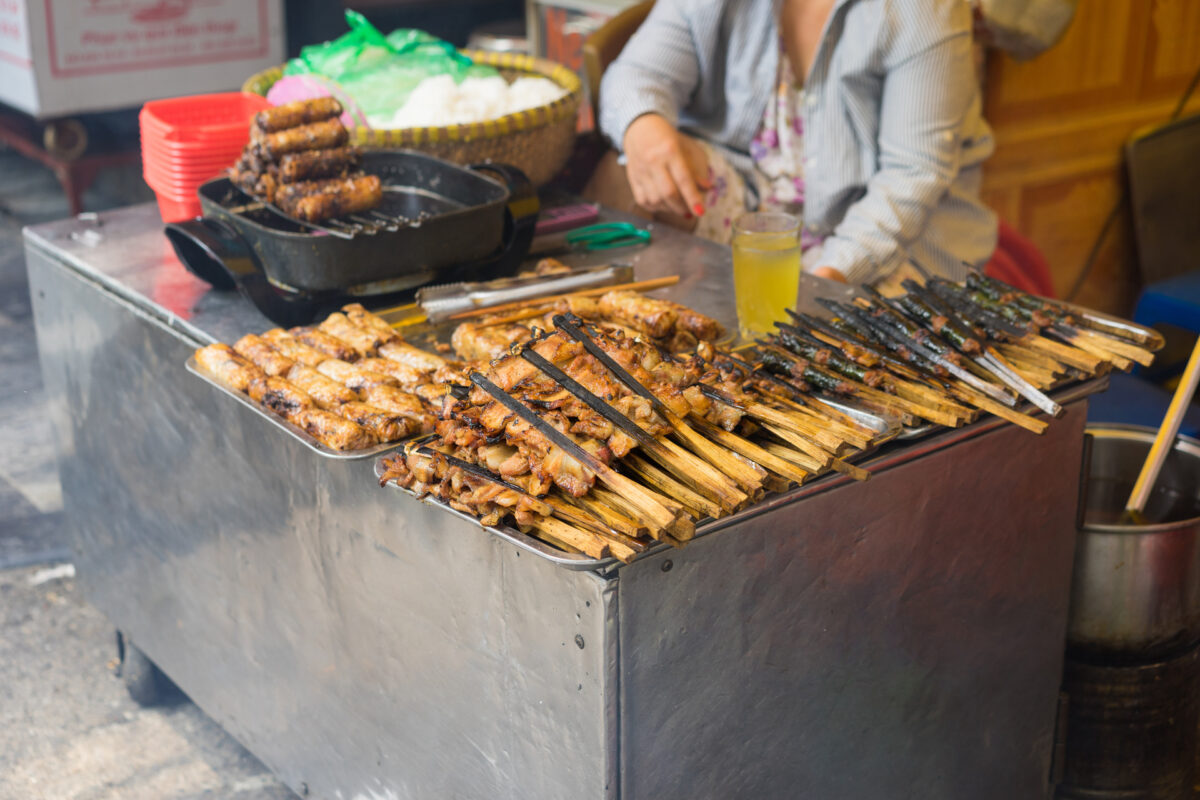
<point>313,201</point>
<point>294,115</point>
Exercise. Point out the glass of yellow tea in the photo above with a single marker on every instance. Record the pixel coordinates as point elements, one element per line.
<point>766,269</point>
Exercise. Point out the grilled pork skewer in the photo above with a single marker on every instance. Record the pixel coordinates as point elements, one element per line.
<point>324,135</point>
<point>327,392</point>
<point>749,480</point>
<point>690,469</point>
<point>660,516</point>
<point>258,350</point>
<point>331,346</point>
<point>293,348</point>
<point>931,316</point>
<point>313,201</point>
<point>318,164</point>
<point>301,112</point>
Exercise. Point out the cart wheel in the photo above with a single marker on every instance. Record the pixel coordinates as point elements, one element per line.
<point>145,682</point>
<point>66,139</point>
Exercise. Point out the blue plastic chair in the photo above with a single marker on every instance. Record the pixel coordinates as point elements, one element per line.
<point>1164,190</point>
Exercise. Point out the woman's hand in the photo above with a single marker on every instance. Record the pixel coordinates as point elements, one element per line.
<point>829,273</point>
<point>667,170</point>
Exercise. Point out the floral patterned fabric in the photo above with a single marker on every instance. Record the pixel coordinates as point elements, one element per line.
<point>778,154</point>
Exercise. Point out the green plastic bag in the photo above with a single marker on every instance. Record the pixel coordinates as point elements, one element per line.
<point>379,72</point>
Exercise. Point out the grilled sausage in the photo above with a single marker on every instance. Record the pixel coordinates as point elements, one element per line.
<point>353,377</point>
<point>293,348</point>
<point>313,164</point>
<point>318,200</point>
<point>258,350</point>
<point>301,112</point>
<point>331,346</point>
<point>328,393</point>
<point>386,426</point>
<point>314,136</point>
<point>333,431</point>
<point>228,366</point>
<point>370,322</point>
<point>279,395</point>
<point>363,342</point>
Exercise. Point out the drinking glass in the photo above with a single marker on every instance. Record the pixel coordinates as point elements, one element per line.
<point>766,269</point>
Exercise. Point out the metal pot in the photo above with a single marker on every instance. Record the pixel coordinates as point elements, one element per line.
<point>1135,594</point>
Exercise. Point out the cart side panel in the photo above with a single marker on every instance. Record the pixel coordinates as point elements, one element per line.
<point>359,642</point>
<point>915,654</point>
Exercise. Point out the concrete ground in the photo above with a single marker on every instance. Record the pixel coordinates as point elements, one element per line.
<point>68,729</point>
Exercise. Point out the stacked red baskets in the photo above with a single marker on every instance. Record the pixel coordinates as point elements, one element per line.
<point>188,140</point>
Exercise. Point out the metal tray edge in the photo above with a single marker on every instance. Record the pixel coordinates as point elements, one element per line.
<point>286,426</point>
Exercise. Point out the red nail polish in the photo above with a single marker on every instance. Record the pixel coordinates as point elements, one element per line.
<point>699,209</point>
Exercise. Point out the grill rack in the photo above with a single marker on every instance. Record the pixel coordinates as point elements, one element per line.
<point>367,223</point>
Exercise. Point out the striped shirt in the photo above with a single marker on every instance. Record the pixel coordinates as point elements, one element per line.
<point>894,137</point>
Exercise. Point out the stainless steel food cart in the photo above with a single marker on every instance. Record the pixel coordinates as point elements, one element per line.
<point>901,637</point>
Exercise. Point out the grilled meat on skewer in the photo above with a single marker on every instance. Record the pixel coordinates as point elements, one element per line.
<point>487,342</point>
<point>331,346</point>
<point>231,368</point>
<point>313,201</point>
<point>364,342</point>
<point>405,353</point>
<point>407,377</point>
<point>279,395</point>
<point>372,323</point>
<point>258,350</point>
<point>323,135</point>
<point>400,402</point>
<point>353,377</point>
<point>293,115</point>
<point>333,431</point>
<point>387,426</point>
<point>312,165</point>
<point>293,348</point>
<point>644,314</point>
<point>328,393</point>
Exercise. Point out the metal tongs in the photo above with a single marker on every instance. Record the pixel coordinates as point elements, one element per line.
<point>440,302</point>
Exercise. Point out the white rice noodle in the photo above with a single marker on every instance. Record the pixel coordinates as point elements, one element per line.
<point>439,101</point>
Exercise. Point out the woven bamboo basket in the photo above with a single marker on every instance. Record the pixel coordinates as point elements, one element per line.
<point>538,141</point>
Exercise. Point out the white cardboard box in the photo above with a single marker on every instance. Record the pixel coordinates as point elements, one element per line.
<point>62,57</point>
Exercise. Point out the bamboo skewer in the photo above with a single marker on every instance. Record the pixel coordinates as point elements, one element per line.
<point>754,452</point>
<point>1080,359</point>
<point>698,503</point>
<point>986,403</point>
<point>587,543</point>
<point>634,286</point>
<point>1113,346</point>
<point>1165,439</point>
<point>614,518</point>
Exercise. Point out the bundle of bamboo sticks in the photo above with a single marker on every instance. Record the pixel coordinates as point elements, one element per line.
<point>945,351</point>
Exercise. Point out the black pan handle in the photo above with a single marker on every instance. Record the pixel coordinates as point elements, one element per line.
<point>520,220</point>
<point>211,250</point>
<point>522,195</point>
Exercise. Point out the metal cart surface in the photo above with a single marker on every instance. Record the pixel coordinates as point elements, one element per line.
<point>896,638</point>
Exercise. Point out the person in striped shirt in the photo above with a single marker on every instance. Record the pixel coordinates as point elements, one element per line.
<point>861,116</point>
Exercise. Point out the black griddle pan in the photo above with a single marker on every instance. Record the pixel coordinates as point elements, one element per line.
<point>447,214</point>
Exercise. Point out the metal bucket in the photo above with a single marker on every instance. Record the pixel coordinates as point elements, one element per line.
<point>1135,594</point>
<point>1131,730</point>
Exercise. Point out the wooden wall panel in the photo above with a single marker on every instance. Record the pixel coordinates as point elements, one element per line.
<point>1061,122</point>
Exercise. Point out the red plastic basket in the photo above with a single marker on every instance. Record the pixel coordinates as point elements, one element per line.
<point>172,210</point>
<point>202,118</point>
